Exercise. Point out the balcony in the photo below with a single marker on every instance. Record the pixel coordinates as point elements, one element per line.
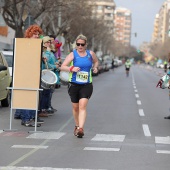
<point>108,11</point>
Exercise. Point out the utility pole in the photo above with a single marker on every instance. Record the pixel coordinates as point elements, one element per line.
<point>59,16</point>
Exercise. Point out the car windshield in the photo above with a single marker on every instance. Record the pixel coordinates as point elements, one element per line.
<point>9,60</point>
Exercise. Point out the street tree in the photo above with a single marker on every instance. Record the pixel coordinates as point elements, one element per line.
<point>15,12</point>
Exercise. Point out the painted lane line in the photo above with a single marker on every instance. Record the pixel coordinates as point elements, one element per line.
<point>39,168</point>
<point>134,87</point>
<point>146,130</point>
<point>30,146</point>
<point>139,102</point>
<point>163,151</point>
<point>102,149</point>
<point>136,91</point>
<point>162,140</point>
<point>137,95</point>
<point>42,144</point>
<point>46,135</point>
<point>109,138</point>
<point>141,112</point>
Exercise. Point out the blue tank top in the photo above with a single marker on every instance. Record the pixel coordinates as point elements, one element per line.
<point>84,76</point>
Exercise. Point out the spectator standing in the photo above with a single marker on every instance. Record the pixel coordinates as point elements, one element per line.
<point>46,94</point>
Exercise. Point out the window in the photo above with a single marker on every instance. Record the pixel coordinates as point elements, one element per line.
<point>99,7</point>
<point>109,15</point>
<point>120,14</point>
<point>108,7</point>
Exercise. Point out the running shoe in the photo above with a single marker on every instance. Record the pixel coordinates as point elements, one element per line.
<point>80,133</point>
<point>75,130</point>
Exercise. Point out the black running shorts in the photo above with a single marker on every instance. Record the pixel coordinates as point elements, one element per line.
<point>79,91</point>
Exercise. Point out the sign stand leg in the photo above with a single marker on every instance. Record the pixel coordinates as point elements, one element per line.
<point>10,125</point>
<point>36,116</point>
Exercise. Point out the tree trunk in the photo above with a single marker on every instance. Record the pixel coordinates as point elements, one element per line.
<point>19,32</point>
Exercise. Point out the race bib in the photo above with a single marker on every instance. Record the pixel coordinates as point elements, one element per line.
<point>82,76</point>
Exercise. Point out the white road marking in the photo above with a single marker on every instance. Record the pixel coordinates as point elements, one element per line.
<point>139,102</point>
<point>46,135</point>
<point>136,91</point>
<point>141,112</point>
<point>101,149</point>
<point>30,146</point>
<point>42,144</point>
<point>134,87</point>
<point>137,95</point>
<point>146,130</point>
<point>163,151</point>
<point>39,168</point>
<point>109,138</point>
<point>162,140</point>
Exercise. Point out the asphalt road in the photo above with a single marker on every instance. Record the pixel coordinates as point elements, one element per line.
<point>125,128</point>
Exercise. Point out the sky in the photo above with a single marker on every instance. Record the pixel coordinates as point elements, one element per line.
<point>143,15</point>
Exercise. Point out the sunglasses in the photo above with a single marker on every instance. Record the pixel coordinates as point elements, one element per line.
<point>78,44</point>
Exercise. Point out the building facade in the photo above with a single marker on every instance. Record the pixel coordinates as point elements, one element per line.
<point>155,29</point>
<point>122,26</point>
<point>162,24</point>
<point>104,10</point>
<point>6,35</point>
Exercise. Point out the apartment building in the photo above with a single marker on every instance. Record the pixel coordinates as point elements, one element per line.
<point>104,10</point>
<point>155,29</point>
<point>162,24</point>
<point>122,26</point>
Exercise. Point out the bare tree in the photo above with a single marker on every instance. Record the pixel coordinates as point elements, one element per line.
<point>14,12</point>
<point>59,17</point>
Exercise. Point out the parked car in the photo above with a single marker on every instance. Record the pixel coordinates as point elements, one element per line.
<point>101,66</point>
<point>5,81</point>
<point>9,58</point>
<point>117,62</point>
<point>107,62</point>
